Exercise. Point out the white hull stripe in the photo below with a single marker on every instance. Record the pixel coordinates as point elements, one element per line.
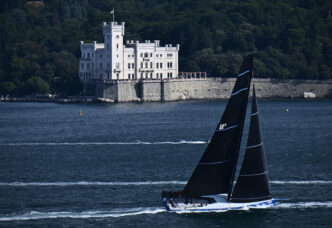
<point>215,163</point>
<point>253,198</point>
<point>227,128</point>
<point>243,73</point>
<point>256,113</point>
<point>256,174</point>
<point>257,145</point>
<point>239,91</point>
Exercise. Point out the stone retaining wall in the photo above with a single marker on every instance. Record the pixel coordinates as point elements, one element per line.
<point>210,88</point>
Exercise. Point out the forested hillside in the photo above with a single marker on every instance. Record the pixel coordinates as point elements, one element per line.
<point>39,42</point>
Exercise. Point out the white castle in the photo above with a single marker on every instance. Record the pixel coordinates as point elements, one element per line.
<point>112,60</point>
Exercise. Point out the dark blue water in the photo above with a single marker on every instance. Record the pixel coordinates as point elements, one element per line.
<point>109,167</point>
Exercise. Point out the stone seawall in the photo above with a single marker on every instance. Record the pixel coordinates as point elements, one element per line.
<point>210,88</point>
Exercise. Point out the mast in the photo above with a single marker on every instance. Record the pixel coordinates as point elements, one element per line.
<point>253,182</point>
<point>214,173</point>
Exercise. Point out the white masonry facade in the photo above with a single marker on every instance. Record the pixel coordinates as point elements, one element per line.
<point>112,60</point>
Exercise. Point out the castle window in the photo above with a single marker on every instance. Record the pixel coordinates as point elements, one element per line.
<point>141,54</point>
<point>157,65</point>
<point>82,66</point>
<point>151,75</point>
<point>141,75</point>
<point>161,75</point>
<point>88,65</point>
<point>100,66</point>
<point>133,76</point>
<point>141,64</point>
<point>146,54</point>
<point>128,65</point>
<point>100,56</point>
<point>88,55</point>
<point>117,45</point>
<point>146,75</point>
<point>117,65</point>
<point>161,55</point>
<point>117,75</point>
<point>128,56</point>
<point>169,55</point>
<point>133,65</point>
<point>161,65</point>
<point>151,64</point>
<point>150,54</point>
<point>170,75</point>
<point>128,76</point>
<point>132,56</point>
<point>157,75</point>
<point>146,64</point>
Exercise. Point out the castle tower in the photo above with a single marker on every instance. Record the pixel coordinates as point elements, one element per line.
<point>113,49</point>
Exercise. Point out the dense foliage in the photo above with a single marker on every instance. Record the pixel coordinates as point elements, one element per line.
<point>39,43</point>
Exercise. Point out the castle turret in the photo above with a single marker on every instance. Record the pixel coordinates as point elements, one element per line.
<point>113,40</point>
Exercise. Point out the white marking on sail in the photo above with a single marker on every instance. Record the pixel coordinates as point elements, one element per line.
<point>214,163</point>
<point>256,113</point>
<point>35,215</point>
<point>238,91</point>
<point>137,183</point>
<point>243,73</point>
<point>227,128</point>
<point>301,205</point>
<point>249,175</point>
<point>253,146</point>
<point>99,143</point>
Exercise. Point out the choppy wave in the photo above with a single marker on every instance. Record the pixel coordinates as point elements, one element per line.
<point>137,183</point>
<point>99,143</point>
<point>34,215</point>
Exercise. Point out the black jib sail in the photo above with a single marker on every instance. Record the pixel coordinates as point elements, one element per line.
<point>253,182</point>
<point>215,170</point>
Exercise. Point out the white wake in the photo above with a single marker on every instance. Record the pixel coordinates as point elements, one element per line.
<point>303,205</point>
<point>93,183</point>
<point>147,183</point>
<point>100,143</point>
<point>34,215</point>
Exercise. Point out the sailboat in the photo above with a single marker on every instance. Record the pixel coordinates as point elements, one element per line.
<point>211,186</point>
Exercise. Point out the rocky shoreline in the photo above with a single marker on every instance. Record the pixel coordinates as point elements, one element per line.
<point>57,100</point>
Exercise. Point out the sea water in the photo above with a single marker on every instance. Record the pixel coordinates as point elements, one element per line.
<point>108,167</point>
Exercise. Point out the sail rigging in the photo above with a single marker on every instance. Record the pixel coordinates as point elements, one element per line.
<point>215,171</point>
<point>253,183</point>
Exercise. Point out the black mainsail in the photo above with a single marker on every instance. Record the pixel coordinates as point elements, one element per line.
<point>253,182</point>
<point>215,171</point>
